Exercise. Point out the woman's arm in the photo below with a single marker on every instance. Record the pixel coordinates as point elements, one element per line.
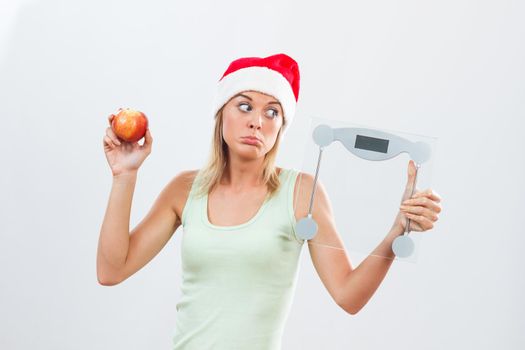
<point>422,208</point>
<point>122,253</point>
<point>114,233</point>
<point>352,288</point>
<point>361,284</point>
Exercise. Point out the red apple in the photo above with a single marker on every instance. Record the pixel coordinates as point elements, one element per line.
<point>129,124</point>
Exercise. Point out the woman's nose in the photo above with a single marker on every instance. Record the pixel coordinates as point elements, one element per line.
<point>256,121</point>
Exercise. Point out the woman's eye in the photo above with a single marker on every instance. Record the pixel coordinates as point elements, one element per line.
<point>241,105</point>
<point>245,107</point>
<point>274,113</point>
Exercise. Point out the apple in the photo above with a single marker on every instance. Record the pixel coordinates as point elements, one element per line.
<point>129,124</point>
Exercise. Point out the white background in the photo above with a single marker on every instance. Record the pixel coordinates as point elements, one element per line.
<point>448,69</point>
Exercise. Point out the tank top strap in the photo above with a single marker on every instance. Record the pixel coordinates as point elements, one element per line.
<point>285,199</point>
<point>191,201</point>
<point>293,177</point>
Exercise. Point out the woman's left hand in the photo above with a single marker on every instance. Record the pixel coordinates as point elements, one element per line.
<point>422,208</point>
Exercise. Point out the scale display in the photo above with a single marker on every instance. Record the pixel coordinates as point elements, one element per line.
<point>371,144</point>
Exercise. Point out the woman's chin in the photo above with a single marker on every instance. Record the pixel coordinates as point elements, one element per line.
<point>248,152</point>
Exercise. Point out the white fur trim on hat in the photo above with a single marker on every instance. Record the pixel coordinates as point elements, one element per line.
<point>261,79</point>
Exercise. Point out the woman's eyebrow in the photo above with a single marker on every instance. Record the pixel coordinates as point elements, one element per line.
<point>249,98</point>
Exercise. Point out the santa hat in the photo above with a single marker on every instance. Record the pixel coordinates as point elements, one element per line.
<point>276,75</point>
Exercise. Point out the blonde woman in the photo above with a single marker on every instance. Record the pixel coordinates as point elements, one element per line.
<point>239,249</point>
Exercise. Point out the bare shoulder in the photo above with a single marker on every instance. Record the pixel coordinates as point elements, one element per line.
<point>302,193</point>
<point>180,186</point>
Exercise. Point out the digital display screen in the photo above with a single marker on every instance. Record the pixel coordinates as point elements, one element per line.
<point>371,144</point>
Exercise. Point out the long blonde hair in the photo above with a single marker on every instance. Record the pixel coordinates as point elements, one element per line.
<point>211,174</point>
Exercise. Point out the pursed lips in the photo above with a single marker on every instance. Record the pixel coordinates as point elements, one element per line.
<point>252,138</point>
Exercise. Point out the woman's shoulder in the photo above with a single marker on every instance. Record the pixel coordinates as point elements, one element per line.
<point>181,186</point>
<point>302,192</point>
<point>187,175</point>
<point>183,180</point>
<point>300,174</point>
<point>288,170</point>
<point>302,179</point>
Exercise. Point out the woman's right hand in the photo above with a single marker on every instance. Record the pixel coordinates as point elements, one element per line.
<point>125,157</point>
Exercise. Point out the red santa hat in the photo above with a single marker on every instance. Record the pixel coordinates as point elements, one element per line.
<point>276,75</point>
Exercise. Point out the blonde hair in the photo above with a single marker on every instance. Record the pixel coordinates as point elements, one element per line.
<point>211,174</point>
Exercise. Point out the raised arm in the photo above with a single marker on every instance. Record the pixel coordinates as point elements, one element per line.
<point>352,288</point>
<point>121,253</point>
<point>330,258</point>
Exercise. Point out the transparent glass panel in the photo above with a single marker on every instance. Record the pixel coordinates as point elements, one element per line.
<point>357,177</point>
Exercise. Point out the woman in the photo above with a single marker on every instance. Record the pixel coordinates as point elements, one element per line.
<point>239,250</point>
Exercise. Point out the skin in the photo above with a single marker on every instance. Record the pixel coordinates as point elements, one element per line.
<point>350,288</point>
<point>249,114</point>
<point>240,193</point>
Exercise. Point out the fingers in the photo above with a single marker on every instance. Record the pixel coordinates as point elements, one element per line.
<point>110,118</point>
<point>408,190</point>
<point>419,210</point>
<point>424,222</point>
<point>148,140</point>
<point>428,193</point>
<point>423,208</point>
<point>427,197</point>
<point>425,202</point>
<point>108,142</point>
<point>411,172</point>
<point>112,115</point>
<point>112,137</point>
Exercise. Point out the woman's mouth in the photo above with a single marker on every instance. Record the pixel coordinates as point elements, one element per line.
<point>251,140</point>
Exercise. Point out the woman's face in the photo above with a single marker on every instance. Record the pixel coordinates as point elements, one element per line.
<point>251,114</point>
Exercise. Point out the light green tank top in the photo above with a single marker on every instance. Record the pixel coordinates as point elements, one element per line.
<point>237,281</point>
